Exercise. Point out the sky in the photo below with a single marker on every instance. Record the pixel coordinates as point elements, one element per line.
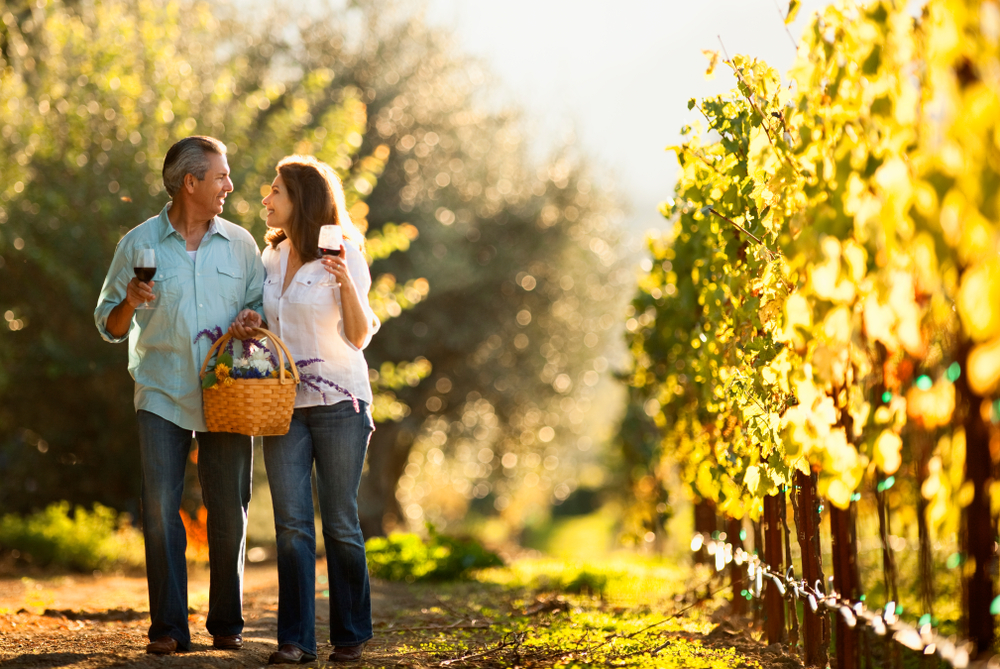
<point>618,74</point>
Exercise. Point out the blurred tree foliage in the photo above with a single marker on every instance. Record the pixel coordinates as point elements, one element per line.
<point>504,292</point>
<point>524,280</point>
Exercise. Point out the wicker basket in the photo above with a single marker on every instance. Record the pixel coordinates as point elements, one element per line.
<point>256,407</point>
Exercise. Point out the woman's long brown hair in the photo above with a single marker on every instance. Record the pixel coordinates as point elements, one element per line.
<point>317,197</point>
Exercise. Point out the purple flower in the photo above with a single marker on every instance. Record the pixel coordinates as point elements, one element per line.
<point>313,381</point>
<point>250,341</point>
<point>213,334</point>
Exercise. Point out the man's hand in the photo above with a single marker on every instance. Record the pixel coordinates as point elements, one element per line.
<point>245,323</point>
<point>120,318</point>
<point>138,292</point>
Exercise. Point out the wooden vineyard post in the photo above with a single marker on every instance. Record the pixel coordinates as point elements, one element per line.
<point>736,572</point>
<point>893,658</point>
<point>923,446</point>
<point>845,581</point>
<point>758,549</point>
<point>774,605</point>
<point>978,532</point>
<point>815,624</point>
<point>786,532</point>
<point>705,522</point>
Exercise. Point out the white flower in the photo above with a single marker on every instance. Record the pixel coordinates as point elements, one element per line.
<point>259,354</point>
<point>241,363</point>
<point>262,366</point>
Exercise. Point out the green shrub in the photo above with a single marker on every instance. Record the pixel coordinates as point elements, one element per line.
<point>407,557</point>
<point>85,540</point>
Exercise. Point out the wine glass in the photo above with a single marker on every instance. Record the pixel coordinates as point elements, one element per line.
<point>145,268</point>
<point>331,243</point>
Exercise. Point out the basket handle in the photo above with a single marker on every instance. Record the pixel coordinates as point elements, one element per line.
<point>279,346</point>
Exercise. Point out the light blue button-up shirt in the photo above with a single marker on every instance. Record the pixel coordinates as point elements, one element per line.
<point>226,277</point>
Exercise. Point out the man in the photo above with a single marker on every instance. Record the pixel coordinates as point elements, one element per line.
<point>207,271</point>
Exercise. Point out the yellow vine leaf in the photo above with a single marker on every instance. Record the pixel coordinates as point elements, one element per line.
<point>839,494</point>
<point>793,10</point>
<point>994,493</point>
<point>931,408</point>
<point>837,325</point>
<point>901,299</point>
<point>713,60</point>
<point>965,494</point>
<point>797,314</point>
<point>888,449</point>
<point>979,300</point>
<point>752,478</point>
<point>984,368</point>
<point>932,484</point>
<point>978,241</point>
<point>880,322</point>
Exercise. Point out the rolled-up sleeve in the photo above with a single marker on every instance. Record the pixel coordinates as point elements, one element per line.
<point>113,293</point>
<point>358,267</point>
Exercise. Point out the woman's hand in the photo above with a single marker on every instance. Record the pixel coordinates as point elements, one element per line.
<point>337,266</point>
<point>356,325</point>
<point>245,323</point>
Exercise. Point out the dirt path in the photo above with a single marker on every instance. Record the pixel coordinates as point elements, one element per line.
<point>86,622</point>
<point>101,621</point>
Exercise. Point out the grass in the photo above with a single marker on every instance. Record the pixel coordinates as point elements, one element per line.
<point>80,540</point>
<point>557,613</point>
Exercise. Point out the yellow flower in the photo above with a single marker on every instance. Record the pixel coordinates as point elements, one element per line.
<point>274,373</point>
<point>221,371</point>
<point>228,381</point>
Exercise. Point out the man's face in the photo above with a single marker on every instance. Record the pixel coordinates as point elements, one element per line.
<point>210,193</point>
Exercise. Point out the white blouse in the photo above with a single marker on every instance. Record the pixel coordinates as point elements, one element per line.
<point>309,320</point>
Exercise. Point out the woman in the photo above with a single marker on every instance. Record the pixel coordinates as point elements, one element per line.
<point>329,427</point>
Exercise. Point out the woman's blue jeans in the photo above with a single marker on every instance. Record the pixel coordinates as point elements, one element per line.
<point>335,438</point>
<point>224,470</point>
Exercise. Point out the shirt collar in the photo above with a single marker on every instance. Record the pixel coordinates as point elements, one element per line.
<point>166,229</point>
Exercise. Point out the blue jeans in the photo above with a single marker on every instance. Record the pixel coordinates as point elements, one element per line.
<point>336,438</point>
<point>224,469</point>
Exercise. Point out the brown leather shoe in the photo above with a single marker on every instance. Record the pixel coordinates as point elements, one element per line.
<point>165,645</point>
<point>230,642</point>
<point>347,653</point>
<point>289,654</point>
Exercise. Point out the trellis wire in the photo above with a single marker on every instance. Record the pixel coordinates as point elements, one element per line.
<point>923,640</point>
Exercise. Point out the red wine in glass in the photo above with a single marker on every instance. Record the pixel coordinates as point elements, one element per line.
<point>144,266</point>
<point>331,243</point>
<point>145,274</point>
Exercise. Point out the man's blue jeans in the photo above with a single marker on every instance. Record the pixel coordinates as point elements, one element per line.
<point>336,438</point>
<point>224,469</point>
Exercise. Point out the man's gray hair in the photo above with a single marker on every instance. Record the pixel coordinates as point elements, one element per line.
<point>188,156</point>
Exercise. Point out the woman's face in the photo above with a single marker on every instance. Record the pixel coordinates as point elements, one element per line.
<point>279,205</point>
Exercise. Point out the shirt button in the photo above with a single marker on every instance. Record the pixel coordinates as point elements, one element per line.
<point>201,305</point>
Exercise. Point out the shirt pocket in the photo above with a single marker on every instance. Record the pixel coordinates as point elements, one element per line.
<point>167,288</point>
<point>271,286</point>
<point>231,284</point>
<point>307,291</point>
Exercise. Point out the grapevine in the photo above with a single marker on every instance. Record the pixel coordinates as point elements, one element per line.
<point>827,299</point>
